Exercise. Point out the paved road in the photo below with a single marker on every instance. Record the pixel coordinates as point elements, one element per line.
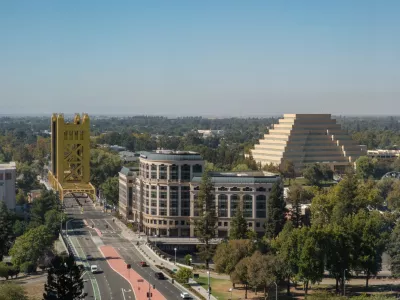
<point>110,234</point>
<point>107,285</point>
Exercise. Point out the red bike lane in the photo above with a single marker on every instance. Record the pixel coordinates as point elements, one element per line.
<point>139,285</point>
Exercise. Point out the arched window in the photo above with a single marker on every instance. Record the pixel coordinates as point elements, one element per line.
<point>234,204</point>
<point>222,206</point>
<point>197,168</point>
<point>185,172</point>
<point>248,206</point>
<point>261,206</point>
<point>247,189</point>
<point>222,188</point>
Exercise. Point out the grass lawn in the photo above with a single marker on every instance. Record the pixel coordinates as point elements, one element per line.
<point>220,289</point>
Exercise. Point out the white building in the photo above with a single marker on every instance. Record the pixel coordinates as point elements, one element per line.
<point>7,183</point>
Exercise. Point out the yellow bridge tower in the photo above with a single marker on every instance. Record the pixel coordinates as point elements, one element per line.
<point>70,156</point>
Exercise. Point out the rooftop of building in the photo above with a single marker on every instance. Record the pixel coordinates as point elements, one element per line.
<point>128,171</point>
<point>169,155</point>
<point>8,165</point>
<point>251,177</point>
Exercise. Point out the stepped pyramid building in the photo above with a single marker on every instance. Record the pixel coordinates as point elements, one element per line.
<point>305,139</point>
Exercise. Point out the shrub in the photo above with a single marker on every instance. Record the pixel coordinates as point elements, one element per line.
<point>187,258</point>
<point>4,270</point>
<point>28,267</point>
<point>183,275</point>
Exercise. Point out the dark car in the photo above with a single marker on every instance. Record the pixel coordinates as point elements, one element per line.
<point>159,275</point>
<point>143,264</point>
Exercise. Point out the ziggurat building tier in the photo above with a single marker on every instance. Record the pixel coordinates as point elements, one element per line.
<point>306,139</point>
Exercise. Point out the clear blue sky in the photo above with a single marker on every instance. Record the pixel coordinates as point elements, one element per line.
<point>200,57</point>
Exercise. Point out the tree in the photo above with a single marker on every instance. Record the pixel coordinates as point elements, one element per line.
<point>30,246</point>
<point>188,259</point>
<point>64,280</point>
<point>19,228</point>
<point>12,291</point>
<point>364,167</point>
<point>241,275</point>
<point>287,248</point>
<point>241,167</point>
<point>311,257</point>
<point>393,249</point>
<point>262,271</point>
<point>238,228</point>
<point>228,254</point>
<point>288,170</point>
<point>183,275</point>
<point>370,233</point>
<point>110,189</point>
<point>53,220</point>
<point>313,174</point>
<point>297,196</point>
<point>206,223</point>
<point>21,198</point>
<point>275,211</point>
<point>6,229</point>
<point>47,201</point>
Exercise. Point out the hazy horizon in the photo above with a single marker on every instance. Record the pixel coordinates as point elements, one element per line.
<point>208,58</point>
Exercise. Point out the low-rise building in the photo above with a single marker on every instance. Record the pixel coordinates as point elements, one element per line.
<point>164,193</point>
<point>7,184</point>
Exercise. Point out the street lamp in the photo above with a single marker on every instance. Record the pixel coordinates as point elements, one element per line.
<point>175,254</point>
<point>276,291</point>
<point>231,292</point>
<point>190,260</point>
<point>209,292</point>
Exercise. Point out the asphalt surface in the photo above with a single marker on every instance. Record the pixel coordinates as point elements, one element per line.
<point>109,282</point>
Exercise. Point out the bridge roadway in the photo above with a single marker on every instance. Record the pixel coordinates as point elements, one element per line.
<point>105,232</point>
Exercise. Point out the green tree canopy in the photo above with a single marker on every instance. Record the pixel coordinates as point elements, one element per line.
<point>275,211</point>
<point>64,280</point>
<point>364,167</point>
<point>30,246</point>
<point>238,229</point>
<point>206,223</point>
<point>110,190</point>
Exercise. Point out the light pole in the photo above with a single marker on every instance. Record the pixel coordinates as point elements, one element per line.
<point>190,260</point>
<point>344,282</point>
<point>175,254</point>
<point>231,292</point>
<point>209,292</point>
<point>276,291</point>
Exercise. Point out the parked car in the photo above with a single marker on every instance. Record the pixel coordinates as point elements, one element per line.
<point>185,296</point>
<point>89,257</point>
<point>159,275</point>
<point>143,264</point>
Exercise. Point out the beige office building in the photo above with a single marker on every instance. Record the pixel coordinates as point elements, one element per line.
<point>160,198</point>
<point>305,139</point>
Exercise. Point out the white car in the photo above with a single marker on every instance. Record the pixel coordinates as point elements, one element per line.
<point>94,269</point>
<point>185,296</point>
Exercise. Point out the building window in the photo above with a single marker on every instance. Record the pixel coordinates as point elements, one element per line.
<point>197,168</point>
<point>258,224</point>
<point>171,222</point>
<point>235,189</point>
<point>163,172</point>
<point>176,222</point>
<point>219,223</point>
<point>173,172</point>
<point>269,189</point>
<point>185,172</point>
<point>250,224</point>
<point>225,224</point>
<point>247,189</point>
<point>8,176</point>
<point>173,192</point>
<point>154,211</point>
<point>261,189</point>
<point>261,206</point>
<point>247,206</point>
<point>234,204</point>
<point>1,176</point>
<point>223,206</point>
<point>182,222</point>
<point>222,188</point>
<point>153,171</point>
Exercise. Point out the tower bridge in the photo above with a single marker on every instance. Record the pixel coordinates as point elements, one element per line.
<point>70,156</point>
